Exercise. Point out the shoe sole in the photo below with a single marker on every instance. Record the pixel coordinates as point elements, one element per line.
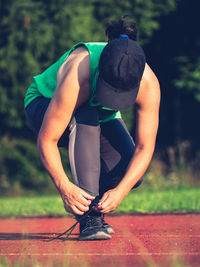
<point>97,236</point>
<point>109,230</point>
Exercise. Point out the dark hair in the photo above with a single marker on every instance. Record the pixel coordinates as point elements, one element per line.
<point>115,28</point>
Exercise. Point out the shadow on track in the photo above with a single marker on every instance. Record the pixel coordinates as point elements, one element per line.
<point>32,236</point>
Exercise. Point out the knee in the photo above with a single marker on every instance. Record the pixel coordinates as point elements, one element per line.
<point>87,115</point>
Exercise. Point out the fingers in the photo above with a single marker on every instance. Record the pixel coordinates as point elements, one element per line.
<point>107,207</point>
<point>77,211</point>
<point>81,207</point>
<point>77,208</point>
<point>87,196</point>
<point>84,201</point>
<point>77,200</point>
<point>109,202</point>
<point>103,202</point>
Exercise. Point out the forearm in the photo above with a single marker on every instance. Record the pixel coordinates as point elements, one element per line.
<point>50,157</point>
<point>136,169</point>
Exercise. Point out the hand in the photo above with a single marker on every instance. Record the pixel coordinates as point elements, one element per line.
<point>110,201</point>
<point>75,199</point>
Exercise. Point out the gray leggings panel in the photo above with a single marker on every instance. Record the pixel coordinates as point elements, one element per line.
<point>84,149</point>
<point>84,156</point>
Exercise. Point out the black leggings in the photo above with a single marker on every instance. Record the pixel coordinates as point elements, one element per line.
<point>99,153</point>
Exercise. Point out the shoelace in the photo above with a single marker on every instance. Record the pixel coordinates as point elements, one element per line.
<point>69,231</point>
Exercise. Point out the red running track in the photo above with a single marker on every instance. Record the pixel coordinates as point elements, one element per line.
<point>157,240</point>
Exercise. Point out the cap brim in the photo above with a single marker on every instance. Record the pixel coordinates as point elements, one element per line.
<point>108,97</point>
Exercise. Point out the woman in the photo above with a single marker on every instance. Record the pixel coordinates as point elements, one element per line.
<point>76,102</point>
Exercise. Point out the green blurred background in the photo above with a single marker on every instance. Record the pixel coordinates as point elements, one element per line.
<point>35,33</point>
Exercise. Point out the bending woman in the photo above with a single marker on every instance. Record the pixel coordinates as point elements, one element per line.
<point>76,102</point>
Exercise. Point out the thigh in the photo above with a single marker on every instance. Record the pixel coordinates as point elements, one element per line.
<point>35,112</point>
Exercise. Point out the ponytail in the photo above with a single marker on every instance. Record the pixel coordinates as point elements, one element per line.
<point>116,28</point>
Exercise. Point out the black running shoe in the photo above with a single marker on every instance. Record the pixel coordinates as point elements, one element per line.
<point>91,228</point>
<point>107,226</point>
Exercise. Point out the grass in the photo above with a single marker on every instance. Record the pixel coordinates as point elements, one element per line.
<point>185,199</point>
<point>182,199</point>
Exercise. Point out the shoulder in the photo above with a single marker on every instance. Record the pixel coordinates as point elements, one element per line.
<point>76,56</point>
<point>77,62</point>
<point>149,91</point>
<point>149,76</point>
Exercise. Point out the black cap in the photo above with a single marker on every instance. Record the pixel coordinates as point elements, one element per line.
<point>121,67</point>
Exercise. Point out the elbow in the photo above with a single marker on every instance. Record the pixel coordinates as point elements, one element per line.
<point>41,141</point>
<point>148,150</point>
<point>44,140</point>
<point>40,138</point>
<point>43,145</point>
<point>140,147</point>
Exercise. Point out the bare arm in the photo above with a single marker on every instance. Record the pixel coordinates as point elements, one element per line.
<point>148,101</point>
<point>72,91</point>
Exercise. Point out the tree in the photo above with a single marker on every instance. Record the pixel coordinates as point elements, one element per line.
<point>174,55</point>
<point>33,35</point>
<point>25,38</point>
<point>145,13</point>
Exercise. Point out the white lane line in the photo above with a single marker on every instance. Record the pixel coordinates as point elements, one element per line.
<point>167,236</point>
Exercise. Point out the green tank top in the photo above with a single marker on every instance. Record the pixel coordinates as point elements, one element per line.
<point>45,83</point>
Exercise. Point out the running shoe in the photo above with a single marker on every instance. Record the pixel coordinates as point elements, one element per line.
<point>91,227</point>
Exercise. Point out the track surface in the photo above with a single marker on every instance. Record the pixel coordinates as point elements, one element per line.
<point>157,240</point>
